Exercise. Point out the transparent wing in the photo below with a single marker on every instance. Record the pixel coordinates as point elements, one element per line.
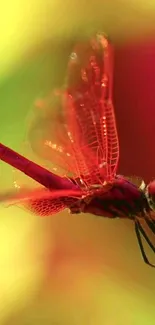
<point>41,201</point>
<point>75,128</point>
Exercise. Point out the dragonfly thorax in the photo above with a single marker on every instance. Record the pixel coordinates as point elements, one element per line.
<point>122,199</point>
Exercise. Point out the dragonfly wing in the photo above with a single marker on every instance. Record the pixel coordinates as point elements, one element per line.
<point>75,128</point>
<point>41,201</point>
<point>23,195</point>
<point>47,206</point>
<point>48,138</point>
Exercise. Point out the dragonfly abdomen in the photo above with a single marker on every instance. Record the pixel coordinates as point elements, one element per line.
<point>34,171</point>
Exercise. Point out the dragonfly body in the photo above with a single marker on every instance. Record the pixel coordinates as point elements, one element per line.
<point>118,199</point>
<point>82,140</point>
<point>123,200</point>
<point>35,171</point>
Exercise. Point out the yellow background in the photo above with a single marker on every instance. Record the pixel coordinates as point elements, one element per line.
<point>25,24</point>
<point>69,270</point>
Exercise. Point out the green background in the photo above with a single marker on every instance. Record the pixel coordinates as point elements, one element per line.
<point>64,270</point>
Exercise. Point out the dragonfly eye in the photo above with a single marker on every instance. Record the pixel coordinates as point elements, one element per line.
<point>150,193</point>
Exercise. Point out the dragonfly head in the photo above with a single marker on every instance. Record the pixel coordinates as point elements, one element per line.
<point>150,193</point>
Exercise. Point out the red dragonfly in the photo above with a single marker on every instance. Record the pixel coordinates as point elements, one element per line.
<point>80,137</point>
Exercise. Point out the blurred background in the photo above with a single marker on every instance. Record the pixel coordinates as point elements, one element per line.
<point>75,270</point>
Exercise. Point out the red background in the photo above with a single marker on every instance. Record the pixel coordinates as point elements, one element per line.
<point>134,98</point>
